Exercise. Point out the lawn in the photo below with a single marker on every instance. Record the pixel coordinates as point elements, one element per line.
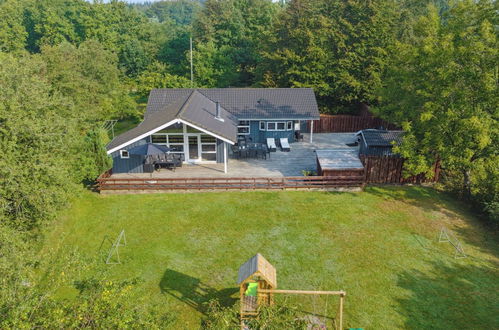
<point>381,246</point>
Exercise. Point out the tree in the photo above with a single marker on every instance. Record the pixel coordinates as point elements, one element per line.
<point>180,12</point>
<point>12,31</point>
<point>133,58</point>
<point>336,47</point>
<point>442,87</point>
<point>34,177</point>
<point>234,30</point>
<point>214,66</point>
<point>89,77</point>
<point>174,52</point>
<point>158,76</point>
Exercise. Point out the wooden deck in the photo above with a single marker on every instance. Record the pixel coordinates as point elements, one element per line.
<point>280,164</point>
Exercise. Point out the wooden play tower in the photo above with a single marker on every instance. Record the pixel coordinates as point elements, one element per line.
<point>257,282</point>
<point>259,271</point>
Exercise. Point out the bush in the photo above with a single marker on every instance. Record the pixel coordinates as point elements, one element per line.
<point>270,317</point>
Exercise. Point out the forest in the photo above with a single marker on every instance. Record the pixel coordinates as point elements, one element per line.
<point>69,66</point>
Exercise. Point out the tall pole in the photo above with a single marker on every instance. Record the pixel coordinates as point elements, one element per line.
<point>225,157</point>
<point>311,130</point>
<point>192,71</point>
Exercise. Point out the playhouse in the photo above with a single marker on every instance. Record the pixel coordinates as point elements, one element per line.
<point>257,280</point>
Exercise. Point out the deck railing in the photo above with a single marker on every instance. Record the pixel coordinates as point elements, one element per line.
<point>233,183</point>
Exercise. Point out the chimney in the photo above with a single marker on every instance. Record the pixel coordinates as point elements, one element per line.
<point>217,113</point>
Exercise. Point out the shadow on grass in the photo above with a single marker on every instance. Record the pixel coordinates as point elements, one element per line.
<point>425,198</point>
<point>193,292</point>
<point>451,296</point>
<point>477,233</point>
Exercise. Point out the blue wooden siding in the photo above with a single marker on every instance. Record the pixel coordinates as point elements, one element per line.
<point>304,126</point>
<point>134,164</point>
<point>258,136</point>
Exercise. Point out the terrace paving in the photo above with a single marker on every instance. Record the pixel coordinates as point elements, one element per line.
<point>301,157</point>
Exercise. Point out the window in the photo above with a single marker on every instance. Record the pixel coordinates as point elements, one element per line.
<point>176,139</point>
<point>173,141</point>
<point>276,126</point>
<point>208,148</point>
<point>290,125</point>
<point>262,126</point>
<point>159,139</point>
<point>208,139</point>
<point>192,129</point>
<point>175,128</point>
<point>179,149</point>
<point>243,128</point>
<point>124,154</point>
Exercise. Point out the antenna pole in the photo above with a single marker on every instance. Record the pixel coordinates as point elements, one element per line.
<point>192,72</point>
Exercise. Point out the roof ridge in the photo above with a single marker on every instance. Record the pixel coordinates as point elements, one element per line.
<point>209,98</point>
<point>183,106</point>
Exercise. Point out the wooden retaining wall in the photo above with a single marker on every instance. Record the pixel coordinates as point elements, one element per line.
<point>347,123</point>
<point>105,183</point>
<point>377,169</point>
<point>382,169</point>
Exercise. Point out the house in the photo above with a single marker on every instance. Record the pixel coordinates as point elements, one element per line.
<point>375,142</point>
<point>200,124</point>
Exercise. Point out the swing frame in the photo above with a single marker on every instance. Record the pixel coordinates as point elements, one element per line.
<point>341,294</point>
<point>258,269</point>
<point>120,241</point>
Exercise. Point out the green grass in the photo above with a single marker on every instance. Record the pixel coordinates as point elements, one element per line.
<point>379,245</point>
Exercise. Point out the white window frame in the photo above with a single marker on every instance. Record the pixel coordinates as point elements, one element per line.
<point>127,154</point>
<point>260,126</point>
<point>168,144</point>
<point>276,123</point>
<point>248,126</point>
<point>206,144</point>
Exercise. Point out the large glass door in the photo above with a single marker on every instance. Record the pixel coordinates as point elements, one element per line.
<point>193,141</point>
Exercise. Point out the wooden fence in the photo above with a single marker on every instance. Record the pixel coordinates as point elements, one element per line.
<point>106,182</point>
<point>347,123</point>
<point>390,170</point>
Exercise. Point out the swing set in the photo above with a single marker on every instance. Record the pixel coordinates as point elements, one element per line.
<point>257,282</point>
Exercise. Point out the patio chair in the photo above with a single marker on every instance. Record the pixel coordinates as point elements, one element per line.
<point>298,136</point>
<point>285,144</point>
<point>261,151</point>
<point>178,160</point>
<point>244,152</point>
<point>271,144</point>
<point>236,151</point>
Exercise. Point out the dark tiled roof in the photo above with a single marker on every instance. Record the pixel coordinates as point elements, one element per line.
<point>381,138</point>
<point>151,122</point>
<point>247,103</point>
<point>201,111</point>
<point>194,108</point>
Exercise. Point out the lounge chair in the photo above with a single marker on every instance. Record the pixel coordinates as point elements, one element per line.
<point>285,144</point>
<point>271,144</point>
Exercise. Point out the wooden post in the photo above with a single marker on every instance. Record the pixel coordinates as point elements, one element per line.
<point>311,130</point>
<point>341,312</point>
